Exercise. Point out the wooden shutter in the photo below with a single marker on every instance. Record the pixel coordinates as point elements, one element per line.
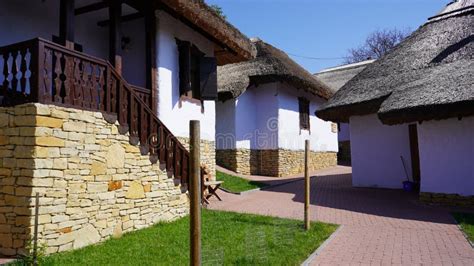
<point>208,78</point>
<point>304,113</point>
<point>184,49</point>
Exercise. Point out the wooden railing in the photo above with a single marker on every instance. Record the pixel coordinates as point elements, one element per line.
<point>44,72</point>
<point>144,94</point>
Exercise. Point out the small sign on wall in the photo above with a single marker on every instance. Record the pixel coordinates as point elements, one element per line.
<point>334,127</point>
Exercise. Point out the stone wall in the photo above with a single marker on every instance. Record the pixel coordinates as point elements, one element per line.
<point>447,199</point>
<point>92,183</point>
<point>208,153</point>
<point>273,162</point>
<point>242,161</point>
<point>292,162</point>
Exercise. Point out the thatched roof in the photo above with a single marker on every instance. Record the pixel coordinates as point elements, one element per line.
<point>336,77</point>
<point>428,76</point>
<point>231,45</point>
<point>270,65</point>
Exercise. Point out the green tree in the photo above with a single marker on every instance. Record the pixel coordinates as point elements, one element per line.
<point>218,10</point>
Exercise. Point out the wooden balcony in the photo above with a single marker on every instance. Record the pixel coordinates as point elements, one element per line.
<point>39,71</point>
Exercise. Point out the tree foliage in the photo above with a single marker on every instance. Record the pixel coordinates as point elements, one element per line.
<point>376,45</point>
<point>218,11</point>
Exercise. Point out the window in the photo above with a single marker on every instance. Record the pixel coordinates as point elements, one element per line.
<point>197,73</point>
<point>304,113</point>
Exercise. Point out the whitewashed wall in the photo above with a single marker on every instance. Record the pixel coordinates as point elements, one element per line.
<point>173,111</point>
<point>447,156</point>
<point>267,117</point>
<point>376,151</point>
<point>250,120</point>
<point>245,120</point>
<point>225,125</point>
<point>290,136</point>
<point>344,132</point>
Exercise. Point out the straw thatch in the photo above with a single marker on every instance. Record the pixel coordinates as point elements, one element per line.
<point>231,45</point>
<point>337,77</point>
<point>270,65</point>
<point>428,76</point>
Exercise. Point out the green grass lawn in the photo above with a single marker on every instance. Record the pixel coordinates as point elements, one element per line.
<point>228,238</point>
<point>466,221</point>
<point>237,184</point>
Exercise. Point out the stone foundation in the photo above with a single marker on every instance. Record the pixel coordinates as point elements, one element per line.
<point>208,153</point>
<point>92,183</point>
<point>272,162</point>
<point>447,199</point>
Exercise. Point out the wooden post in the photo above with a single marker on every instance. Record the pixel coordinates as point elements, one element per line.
<point>115,39</point>
<point>195,192</point>
<point>151,56</point>
<point>307,186</point>
<point>66,23</point>
<point>35,233</point>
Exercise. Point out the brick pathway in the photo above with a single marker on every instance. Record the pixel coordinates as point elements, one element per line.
<point>5,261</point>
<point>380,226</point>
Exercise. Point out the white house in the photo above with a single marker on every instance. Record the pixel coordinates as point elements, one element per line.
<point>266,112</point>
<point>335,78</point>
<point>144,46</point>
<point>105,90</point>
<point>416,102</point>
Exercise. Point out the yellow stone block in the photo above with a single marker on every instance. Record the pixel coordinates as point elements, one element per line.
<point>74,126</point>
<point>24,120</point>
<point>147,188</point>
<point>135,191</point>
<point>98,168</point>
<point>50,142</point>
<point>3,120</point>
<point>43,121</point>
<point>59,114</point>
<point>4,140</point>
<point>132,149</point>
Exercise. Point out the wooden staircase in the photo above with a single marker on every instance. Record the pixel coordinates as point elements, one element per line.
<point>44,72</point>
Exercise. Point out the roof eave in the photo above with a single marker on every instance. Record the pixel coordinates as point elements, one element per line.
<point>341,114</point>
<point>231,45</point>
<point>426,113</point>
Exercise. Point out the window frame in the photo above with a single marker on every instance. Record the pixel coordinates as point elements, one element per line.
<point>304,106</point>
<point>189,70</point>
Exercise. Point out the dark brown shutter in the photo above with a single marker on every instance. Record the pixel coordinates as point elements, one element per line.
<point>184,49</point>
<point>208,78</point>
<point>304,113</point>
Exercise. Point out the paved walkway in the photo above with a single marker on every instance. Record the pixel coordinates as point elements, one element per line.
<point>380,226</point>
<point>5,261</point>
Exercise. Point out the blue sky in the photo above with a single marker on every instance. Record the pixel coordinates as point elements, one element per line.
<point>323,28</point>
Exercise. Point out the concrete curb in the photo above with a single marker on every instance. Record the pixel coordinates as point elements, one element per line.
<point>320,249</point>
<point>240,193</point>
<point>262,188</point>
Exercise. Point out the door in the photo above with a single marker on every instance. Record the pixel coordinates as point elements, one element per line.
<point>414,152</point>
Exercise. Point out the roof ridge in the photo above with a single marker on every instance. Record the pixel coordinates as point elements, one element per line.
<point>462,7</point>
<point>346,66</point>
